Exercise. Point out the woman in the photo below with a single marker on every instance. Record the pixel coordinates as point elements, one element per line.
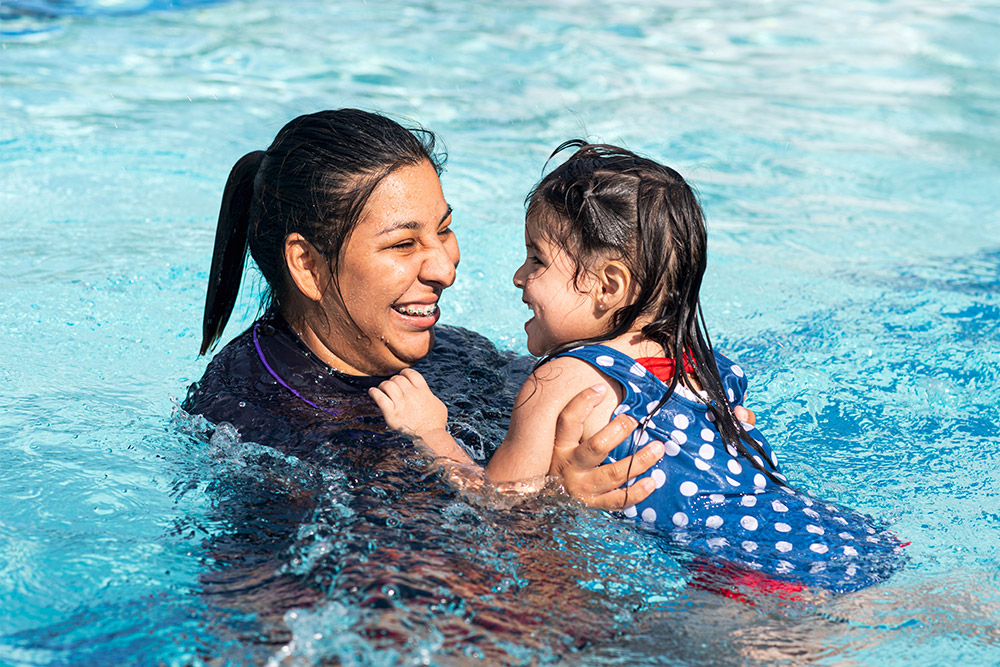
<point>345,218</point>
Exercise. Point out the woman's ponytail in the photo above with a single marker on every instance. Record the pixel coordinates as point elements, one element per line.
<point>230,248</point>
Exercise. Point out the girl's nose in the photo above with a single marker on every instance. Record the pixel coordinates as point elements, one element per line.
<point>519,277</point>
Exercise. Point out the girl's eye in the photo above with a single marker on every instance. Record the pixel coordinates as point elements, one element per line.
<point>403,245</point>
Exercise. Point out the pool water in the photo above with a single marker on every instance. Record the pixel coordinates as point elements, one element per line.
<point>847,157</point>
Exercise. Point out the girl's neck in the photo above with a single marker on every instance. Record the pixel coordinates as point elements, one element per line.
<point>637,346</point>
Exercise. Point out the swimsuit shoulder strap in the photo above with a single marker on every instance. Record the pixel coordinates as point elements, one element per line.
<point>629,373</point>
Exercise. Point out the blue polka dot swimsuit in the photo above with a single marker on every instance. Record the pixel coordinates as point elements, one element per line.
<point>719,506</point>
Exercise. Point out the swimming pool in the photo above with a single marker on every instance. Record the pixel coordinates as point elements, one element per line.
<point>847,158</point>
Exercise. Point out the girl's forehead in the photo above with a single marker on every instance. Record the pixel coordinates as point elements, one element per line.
<point>536,228</point>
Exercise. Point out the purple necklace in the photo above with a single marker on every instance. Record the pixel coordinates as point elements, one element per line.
<point>260,355</point>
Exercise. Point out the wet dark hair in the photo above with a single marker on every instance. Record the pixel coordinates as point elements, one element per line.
<point>608,202</point>
<point>314,179</point>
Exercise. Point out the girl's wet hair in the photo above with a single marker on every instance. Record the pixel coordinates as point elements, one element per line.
<point>314,179</point>
<point>606,202</point>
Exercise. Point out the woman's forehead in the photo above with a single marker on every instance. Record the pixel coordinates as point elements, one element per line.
<point>408,198</point>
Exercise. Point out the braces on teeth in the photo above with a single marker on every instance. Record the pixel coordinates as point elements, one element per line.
<point>418,311</point>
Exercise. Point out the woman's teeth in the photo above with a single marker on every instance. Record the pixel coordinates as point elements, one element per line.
<point>417,311</point>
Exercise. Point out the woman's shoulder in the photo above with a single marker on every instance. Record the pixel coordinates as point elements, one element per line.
<point>461,357</point>
<point>221,377</point>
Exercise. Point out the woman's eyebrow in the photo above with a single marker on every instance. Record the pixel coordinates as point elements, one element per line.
<point>409,224</point>
<point>402,224</point>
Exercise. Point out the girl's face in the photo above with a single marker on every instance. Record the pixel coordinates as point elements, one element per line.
<point>563,310</point>
<point>392,271</point>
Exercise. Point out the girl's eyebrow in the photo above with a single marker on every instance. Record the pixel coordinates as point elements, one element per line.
<point>411,224</point>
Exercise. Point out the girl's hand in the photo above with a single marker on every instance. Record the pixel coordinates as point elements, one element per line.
<point>408,404</point>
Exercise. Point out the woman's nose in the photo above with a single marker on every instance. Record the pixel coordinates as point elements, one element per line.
<point>439,266</point>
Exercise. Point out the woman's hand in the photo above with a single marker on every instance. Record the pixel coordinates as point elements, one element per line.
<point>576,461</point>
<point>408,404</point>
<point>745,416</point>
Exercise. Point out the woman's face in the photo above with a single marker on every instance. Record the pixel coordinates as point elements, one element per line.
<point>392,271</point>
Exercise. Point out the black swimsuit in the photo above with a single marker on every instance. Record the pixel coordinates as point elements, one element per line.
<point>276,392</point>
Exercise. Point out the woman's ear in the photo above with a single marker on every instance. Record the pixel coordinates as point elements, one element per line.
<point>307,268</point>
<point>614,288</point>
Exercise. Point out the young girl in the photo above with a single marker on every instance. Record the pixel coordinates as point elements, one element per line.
<point>616,251</point>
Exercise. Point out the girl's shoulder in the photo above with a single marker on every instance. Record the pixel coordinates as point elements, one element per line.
<point>553,384</point>
<point>566,370</point>
<point>727,366</point>
<point>734,379</point>
<point>605,359</point>
<point>551,387</point>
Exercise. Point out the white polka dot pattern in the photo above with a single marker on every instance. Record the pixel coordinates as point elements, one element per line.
<point>712,503</point>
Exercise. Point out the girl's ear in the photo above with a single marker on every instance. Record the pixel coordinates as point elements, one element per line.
<point>307,268</point>
<point>614,288</point>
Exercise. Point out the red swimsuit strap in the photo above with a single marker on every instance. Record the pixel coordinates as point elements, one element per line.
<point>663,368</point>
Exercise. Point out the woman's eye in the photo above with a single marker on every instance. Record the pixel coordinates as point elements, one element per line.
<point>403,245</point>
<point>445,231</point>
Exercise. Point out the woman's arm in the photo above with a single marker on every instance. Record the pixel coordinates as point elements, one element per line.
<point>575,459</point>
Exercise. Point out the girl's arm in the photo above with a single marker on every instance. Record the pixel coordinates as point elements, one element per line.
<point>575,457</point>
<point>410,407</point>
<point>526,451</point>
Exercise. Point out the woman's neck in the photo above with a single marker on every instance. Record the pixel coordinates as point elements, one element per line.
<point>307,328</point>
